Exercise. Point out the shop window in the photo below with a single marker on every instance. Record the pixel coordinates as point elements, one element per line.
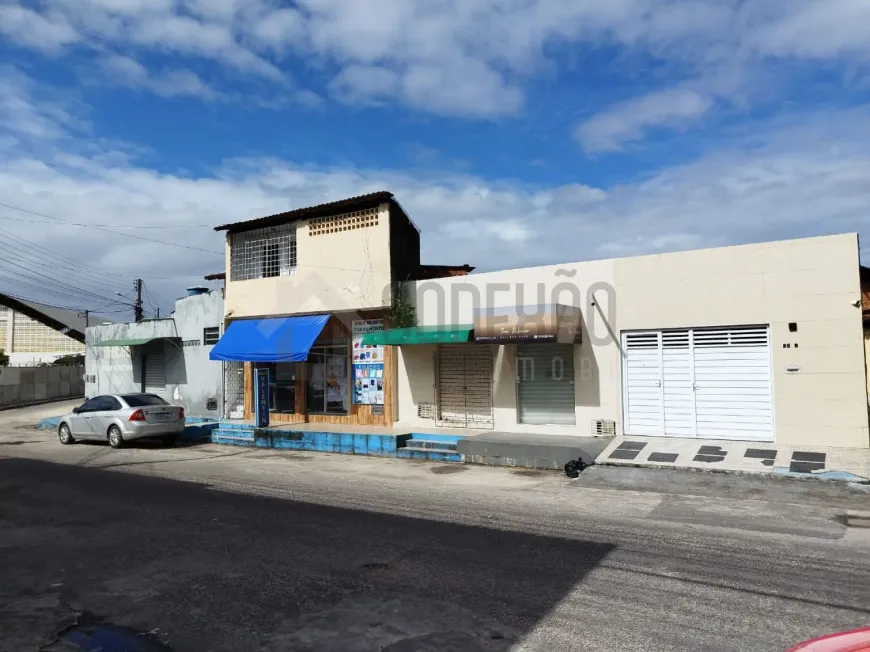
<point>327,379</point>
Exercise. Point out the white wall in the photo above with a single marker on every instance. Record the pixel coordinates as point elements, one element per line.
<point>596,359</point>
<point>191,378</point>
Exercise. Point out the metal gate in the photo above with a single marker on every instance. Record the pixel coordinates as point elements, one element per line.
<point>234,390</point>
<point>545,384</point>
<point>155,373</point>
<point>464,386</point>
<point>706,382</point>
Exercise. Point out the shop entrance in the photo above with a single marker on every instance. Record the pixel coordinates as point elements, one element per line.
<point>464,386</point>
<point>545,384</point>
<point>326,388</point>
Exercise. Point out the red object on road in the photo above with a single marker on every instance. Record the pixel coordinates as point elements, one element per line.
<point>854,641</point>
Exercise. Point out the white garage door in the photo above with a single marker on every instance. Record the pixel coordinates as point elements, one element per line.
<point>155,373</point>
<point>711,382</point>
<point>465,386</point>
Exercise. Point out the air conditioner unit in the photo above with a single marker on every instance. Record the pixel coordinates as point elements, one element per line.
<point>426,410</point>
<point>603,428</point>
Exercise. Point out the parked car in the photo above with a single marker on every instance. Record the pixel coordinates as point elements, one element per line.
<point>120,418</point>
<point>857,640</point>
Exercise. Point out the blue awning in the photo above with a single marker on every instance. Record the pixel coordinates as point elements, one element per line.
<point>285,339</point>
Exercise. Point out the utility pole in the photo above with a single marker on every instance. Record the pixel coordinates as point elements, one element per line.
<point>137,307</point>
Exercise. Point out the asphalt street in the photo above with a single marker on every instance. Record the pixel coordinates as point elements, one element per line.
<point>209,548</point>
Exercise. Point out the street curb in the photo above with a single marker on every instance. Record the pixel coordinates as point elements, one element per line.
<point>858,519</point>
<point>751,474</point>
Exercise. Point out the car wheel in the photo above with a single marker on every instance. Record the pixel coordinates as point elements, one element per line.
<point>169,440</point>
<point>65,435</point>
<point>115,438</point>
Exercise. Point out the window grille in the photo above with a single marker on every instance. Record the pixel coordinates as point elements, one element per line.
<point>263,253</point>
<point>234,390</point>
<point>210,336</point>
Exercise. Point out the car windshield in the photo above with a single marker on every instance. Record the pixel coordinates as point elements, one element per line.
<point>142,400</point>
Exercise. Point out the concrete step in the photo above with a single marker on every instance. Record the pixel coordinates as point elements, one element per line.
<point>431,454</point>
<point>531,451</point>
<point>231,435</point>
<point>433,444</point>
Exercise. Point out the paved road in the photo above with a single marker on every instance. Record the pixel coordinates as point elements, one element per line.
<point>219,548</point>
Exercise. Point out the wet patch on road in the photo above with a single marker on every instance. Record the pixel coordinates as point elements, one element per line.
<point>91,634</point>
<point>449,469</point>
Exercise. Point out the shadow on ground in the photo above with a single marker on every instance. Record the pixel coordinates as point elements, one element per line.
<point>202,569</point>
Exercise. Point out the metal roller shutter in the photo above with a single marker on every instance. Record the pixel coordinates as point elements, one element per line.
<point>706,382</point>
<point>545,384</point>
<point>155,373</point>
<point>465,386</point>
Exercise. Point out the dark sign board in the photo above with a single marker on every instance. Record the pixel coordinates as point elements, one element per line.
<point>544,323</point>
<point>261,398</point>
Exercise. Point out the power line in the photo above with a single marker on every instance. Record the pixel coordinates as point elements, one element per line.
<point>98,228</point>
<point>53,283</point>
<point>49,305</point>
<point>58,259</point>
<point>90,280</point>
<point>112,226</point>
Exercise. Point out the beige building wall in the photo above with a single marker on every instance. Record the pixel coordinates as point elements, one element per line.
<point>335,272</point>
<point>596,359</point>
<point>867,361</point>
<point>812,282</point>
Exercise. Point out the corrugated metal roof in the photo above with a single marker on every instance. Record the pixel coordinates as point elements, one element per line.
<point>64,320</point>
<point>320,210</point>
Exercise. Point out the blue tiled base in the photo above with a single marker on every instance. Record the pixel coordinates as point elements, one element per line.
<point>440,448</point>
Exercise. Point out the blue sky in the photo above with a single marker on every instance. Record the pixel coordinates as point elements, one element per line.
<point>552,130</point>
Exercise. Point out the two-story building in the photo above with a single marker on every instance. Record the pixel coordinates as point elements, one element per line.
<point>302,289</point>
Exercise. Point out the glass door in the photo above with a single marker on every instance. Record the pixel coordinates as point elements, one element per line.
<point>327,380</point>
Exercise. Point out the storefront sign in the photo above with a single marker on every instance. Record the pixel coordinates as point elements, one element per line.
<point>261,398</point>
<point>368,364</point>
<point>544,323</point>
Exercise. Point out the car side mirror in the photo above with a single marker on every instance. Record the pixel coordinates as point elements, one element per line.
<point>76,410</point>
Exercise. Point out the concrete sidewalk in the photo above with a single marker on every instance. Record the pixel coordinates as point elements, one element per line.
<point>846,464</point>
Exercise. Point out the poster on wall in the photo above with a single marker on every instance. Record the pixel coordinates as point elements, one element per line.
<point>368,364</point>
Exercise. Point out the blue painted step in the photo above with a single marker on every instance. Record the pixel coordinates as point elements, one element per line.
<point>433,455</point>
<point>429,443</point>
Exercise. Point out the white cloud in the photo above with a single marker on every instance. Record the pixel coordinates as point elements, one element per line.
<point>126,71</point>
<point>210,40</point>
<point>29,111</point>
<point>788,181</point>
<point>817,30</point>
<point>453,57</point>
<point>41,31</point>
<point>626,122</point>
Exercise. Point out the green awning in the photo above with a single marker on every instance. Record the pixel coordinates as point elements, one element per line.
<point>137,342</point>
<point>419,335</point>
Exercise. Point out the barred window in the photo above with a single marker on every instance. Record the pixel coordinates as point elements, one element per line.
<point>211,335</point>
<point>263,253</point>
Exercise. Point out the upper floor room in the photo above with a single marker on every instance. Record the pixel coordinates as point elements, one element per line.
<point>342,256</point>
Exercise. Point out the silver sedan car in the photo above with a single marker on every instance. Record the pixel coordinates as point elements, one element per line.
<point>120,418</point>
